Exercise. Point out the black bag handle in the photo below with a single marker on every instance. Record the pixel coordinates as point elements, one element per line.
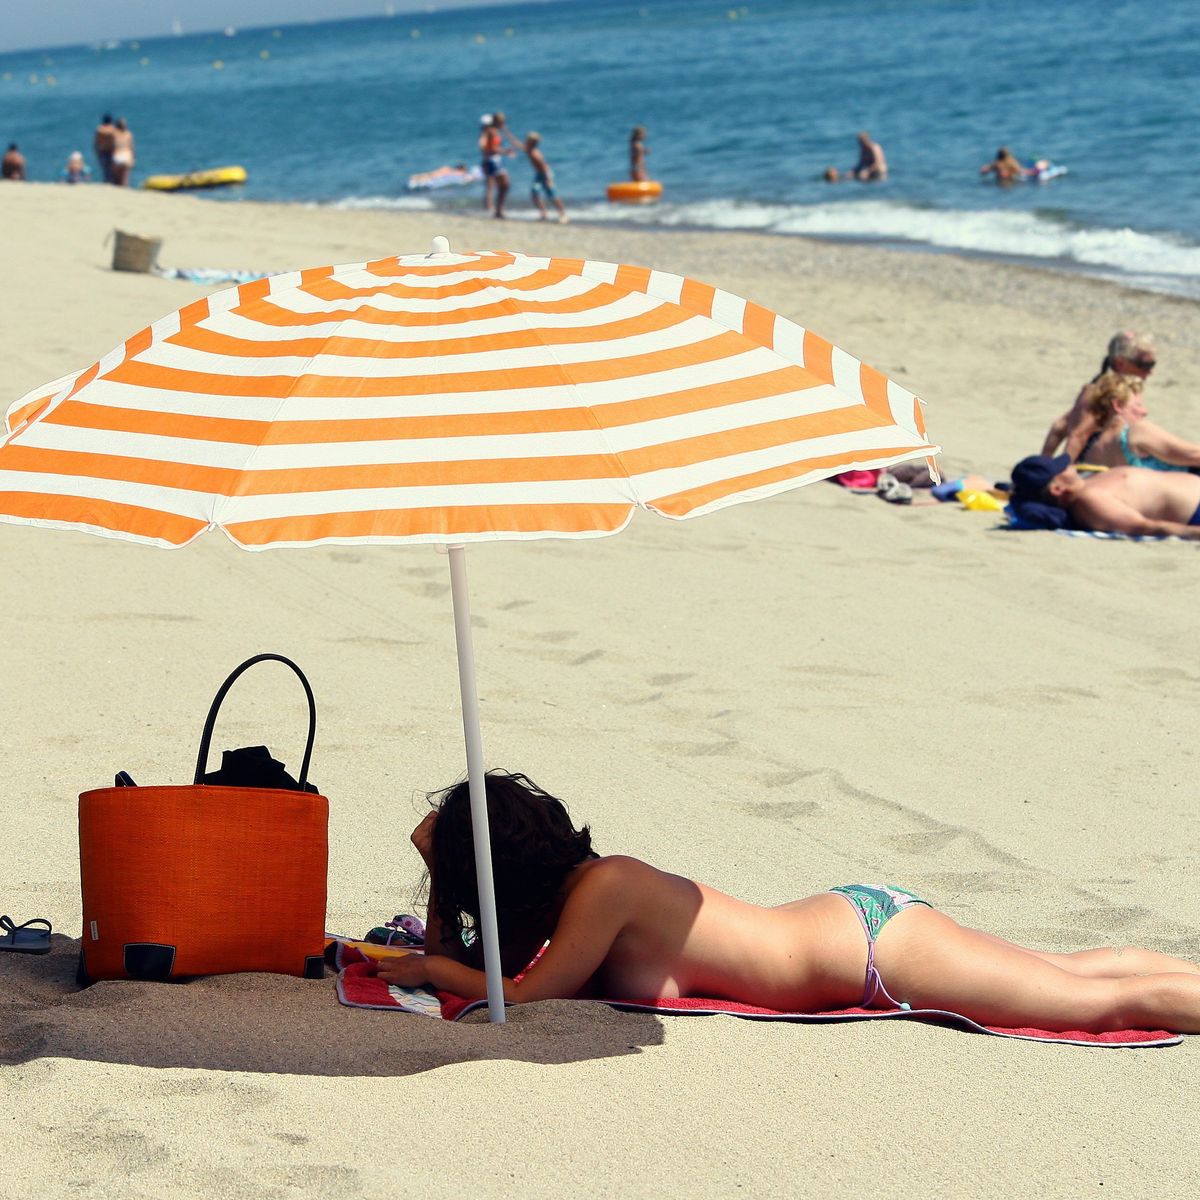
<point>210,723</point>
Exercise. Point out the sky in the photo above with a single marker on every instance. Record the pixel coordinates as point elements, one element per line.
<point>25,24</point>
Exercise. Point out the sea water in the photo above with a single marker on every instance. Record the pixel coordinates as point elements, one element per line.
<point>746,104</point>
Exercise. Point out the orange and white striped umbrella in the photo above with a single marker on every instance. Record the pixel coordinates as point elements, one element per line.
<point>446,398</point>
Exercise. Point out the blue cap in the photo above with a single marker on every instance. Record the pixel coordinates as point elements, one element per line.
<point>1031,475</point>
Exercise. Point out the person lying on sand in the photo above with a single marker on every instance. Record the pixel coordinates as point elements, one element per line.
<point>1131,500</point>
<point>1123,436</point>
<point>619,928</point>
<point>1129,353</point>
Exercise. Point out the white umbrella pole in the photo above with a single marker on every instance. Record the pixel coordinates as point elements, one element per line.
<point>488,926</point>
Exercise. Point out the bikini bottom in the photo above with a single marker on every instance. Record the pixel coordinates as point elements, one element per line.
<point>876,905</point>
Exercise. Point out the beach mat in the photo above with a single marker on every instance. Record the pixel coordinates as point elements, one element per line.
<point>358,987</point>
<point>1013,524</point>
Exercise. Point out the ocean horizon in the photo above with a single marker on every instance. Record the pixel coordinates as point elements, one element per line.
<point>745,105</point>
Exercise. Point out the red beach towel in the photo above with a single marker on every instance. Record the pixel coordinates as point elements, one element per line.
<point>358,987</point>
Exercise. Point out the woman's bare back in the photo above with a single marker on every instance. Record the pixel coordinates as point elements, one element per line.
<point>683,938</point>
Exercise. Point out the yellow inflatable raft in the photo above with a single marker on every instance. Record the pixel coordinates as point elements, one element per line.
<point>630,191</point>
<point>216,177</point>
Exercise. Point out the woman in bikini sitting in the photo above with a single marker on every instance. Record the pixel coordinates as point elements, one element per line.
<point>619,929</point>
<point>1117,433</point>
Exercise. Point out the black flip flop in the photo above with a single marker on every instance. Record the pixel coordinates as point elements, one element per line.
<point>22,938</point>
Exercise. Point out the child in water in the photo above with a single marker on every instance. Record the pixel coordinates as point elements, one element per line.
<point>621,929</point>
<point>543,178</point>
<point>637,154</point>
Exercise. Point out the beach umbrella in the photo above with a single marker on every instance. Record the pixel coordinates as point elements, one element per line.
<point>449,399</point>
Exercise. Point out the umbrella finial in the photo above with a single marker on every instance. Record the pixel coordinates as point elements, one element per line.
<point>441,245</point>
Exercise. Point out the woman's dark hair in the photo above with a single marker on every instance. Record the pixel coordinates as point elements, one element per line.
<point>534,847</point>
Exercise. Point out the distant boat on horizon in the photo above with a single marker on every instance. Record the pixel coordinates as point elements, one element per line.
<point>177,28</point>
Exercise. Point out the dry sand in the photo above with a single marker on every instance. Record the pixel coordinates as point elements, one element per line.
<point>786,695</point>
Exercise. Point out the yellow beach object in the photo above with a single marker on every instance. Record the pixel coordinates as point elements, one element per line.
<point>631,191</point>
<point>215,177</point>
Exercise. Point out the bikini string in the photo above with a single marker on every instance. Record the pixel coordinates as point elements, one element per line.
<point>875,983</point>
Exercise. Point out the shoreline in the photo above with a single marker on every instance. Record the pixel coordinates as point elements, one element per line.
<point>1182,286</point>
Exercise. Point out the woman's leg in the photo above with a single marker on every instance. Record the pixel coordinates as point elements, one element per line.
<point>1115,962</point>
<point>930,961</point>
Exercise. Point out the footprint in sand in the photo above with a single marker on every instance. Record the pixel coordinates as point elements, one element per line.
<point>120,616</point>
<point>778,779</point>
<point>668,679</point>
<point>781,810</point>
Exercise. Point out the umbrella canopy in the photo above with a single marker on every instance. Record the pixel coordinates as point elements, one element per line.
<point>446,398</point>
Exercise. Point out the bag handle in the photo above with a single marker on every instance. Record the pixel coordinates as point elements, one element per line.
<point>211,721</point>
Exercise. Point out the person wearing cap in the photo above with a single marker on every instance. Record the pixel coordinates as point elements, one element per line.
<point>495,175</point>
<point>76,170</point>
<point>1132,500</point>
<point>1129,353</point>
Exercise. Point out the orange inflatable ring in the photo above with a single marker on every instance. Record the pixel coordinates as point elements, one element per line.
<point>630,191</point>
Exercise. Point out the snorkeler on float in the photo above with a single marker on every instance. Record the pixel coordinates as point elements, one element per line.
<point>621,929</point>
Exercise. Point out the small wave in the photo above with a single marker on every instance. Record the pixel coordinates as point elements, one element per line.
<point>401,203</point>
<point>1154,259</point>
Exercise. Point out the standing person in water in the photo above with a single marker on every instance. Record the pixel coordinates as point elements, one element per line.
<point>495,174</point>
<point>104,142</point>
<point>122,157</point>
<point>621,929</point>
<point>543,188</point>
<point>872,165</point>
<point>637,154</point>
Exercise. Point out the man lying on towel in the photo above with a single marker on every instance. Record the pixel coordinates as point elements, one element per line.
<point>1132,500</point>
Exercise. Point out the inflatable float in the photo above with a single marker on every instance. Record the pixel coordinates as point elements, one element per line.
<point>1043,170</point>
<point>635,191</point>
<point>430,181</point>
<point>215,177</point>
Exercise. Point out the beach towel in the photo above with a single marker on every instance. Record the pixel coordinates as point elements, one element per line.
<point>1015,524</point>
<point>357,987</point>
<point>211,275</point>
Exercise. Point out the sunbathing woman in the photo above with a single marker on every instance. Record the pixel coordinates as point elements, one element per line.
<point>1121,436</point>
<point>619,928</point>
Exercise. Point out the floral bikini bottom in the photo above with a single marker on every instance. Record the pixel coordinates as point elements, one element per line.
<point>876,904</point>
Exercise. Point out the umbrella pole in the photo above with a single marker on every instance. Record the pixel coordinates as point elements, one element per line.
<point>488,929</point>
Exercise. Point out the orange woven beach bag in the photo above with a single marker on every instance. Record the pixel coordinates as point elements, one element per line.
<point>208,878</point>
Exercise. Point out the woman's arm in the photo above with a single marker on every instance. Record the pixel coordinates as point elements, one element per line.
<point>595,913</point>
<point>422,839</point>
<point>1077,436</point>
<point>1146,438</point>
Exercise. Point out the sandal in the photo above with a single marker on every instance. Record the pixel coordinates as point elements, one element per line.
<point>893,490</point>
<point>24,939</point>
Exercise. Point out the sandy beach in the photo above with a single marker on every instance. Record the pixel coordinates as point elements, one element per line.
<point>774,699</point>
